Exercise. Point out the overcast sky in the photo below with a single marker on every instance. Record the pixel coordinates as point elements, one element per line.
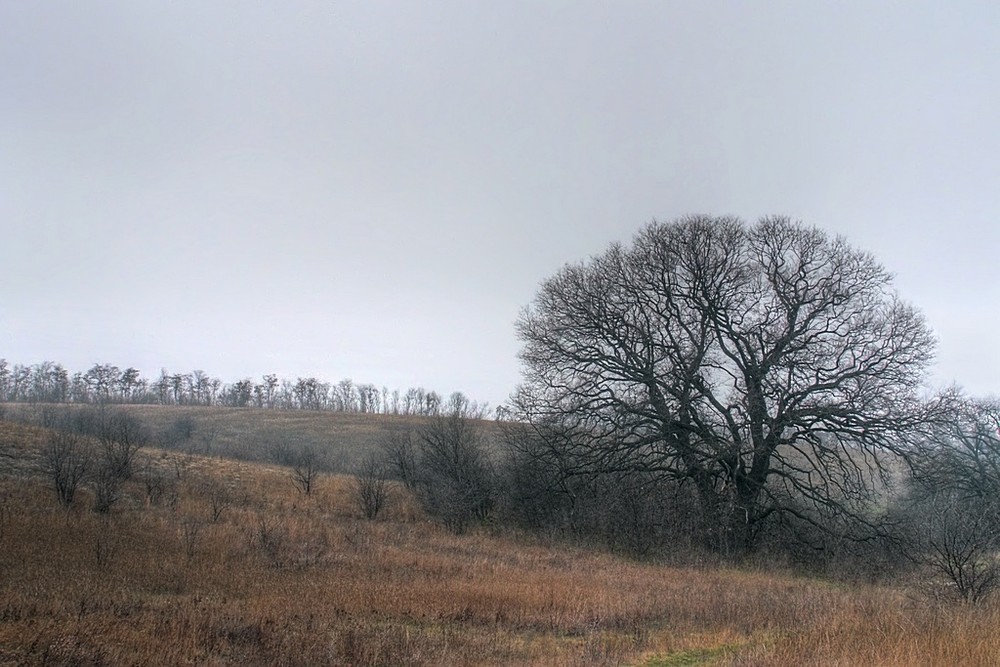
<point>374,190</point>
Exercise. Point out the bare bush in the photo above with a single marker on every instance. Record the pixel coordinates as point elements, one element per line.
<point>104,544</point>
<point>190,533</point>
<point>180,431</point>
<point>454,476</point>
<point>181,463</point>
<point>220,498</point>
<point>306,469</point>
<point>269,539</point>
<point>963,543</point>
<point>370,486</point>
<point>281,452</point>
<point>107,487</point>
<point>122,435</point>
<point>400,457</point>
<point>66,460</point>
<point>953,507</point>
<point>956,540</point>
<point>154,480</point>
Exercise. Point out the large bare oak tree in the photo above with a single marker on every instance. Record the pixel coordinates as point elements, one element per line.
<point>771,366</point>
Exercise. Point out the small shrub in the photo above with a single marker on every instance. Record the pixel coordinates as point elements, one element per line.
<point>371,487</point>
<point>190,533</point>
<point>66,460</point>
<point>306,469</point>
<point>154,481</point>
<point>107,487</point>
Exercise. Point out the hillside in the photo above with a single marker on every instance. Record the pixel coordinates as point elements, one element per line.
<point>252,434</point>
<point>231,565</point>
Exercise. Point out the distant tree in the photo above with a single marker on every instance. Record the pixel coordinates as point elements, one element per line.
<point>241,393</point>
<point>5,381</point>
<point>201,387</point>
<point>178,382</point>
<point>269,388</point>
<point>432,403</point>
<point>346,396</point>
<point>197,385</point>
<point>310,393</point>
<point>103,381</point>
<point>48,381</point>
<point>79,392</point>
<point>60,384</point>
<point>131,383</point>
<point>20,383</point>
<point>411,401</point>
<point>162,387</point>
<point>960,451</point>
<point>368,398</point>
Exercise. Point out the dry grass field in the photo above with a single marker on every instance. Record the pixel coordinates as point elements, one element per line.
<point>254,434</point>
<point>229,564</point>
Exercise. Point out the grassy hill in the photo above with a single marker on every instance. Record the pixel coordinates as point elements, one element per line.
<point>231,565</point>
<point>251,434</point>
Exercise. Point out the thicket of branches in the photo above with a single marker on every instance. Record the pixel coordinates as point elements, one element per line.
<point>770,368</point>
<point>97,447</point>
<point>448,465</point>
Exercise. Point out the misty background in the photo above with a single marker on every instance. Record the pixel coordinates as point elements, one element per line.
<point>374,190</point>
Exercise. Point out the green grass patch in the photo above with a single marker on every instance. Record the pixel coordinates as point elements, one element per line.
<point>691,657</point>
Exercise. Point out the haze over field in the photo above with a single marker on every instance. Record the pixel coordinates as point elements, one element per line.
<point>373,190</point>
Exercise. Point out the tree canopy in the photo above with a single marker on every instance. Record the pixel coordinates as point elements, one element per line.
<point>770,365</point>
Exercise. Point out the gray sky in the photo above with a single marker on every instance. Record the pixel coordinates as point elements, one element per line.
<point>374,189</point>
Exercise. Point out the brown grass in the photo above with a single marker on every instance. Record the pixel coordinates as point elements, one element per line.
<point>278,578</point>
<point>254,434</point>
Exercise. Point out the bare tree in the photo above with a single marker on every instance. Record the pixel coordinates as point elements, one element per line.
<point>400,457</point>
<point>102,381</point>
<point>960,450</point>
<point>953,503</point>
<point>306,468</point>
<point>66,460</point>
<point>121,434</point>
<point>220,496</point>
<point>371,486</point>
<point>154,479</point>
<point>770,366</point>
<point>959,540</point>
<point>455,478</point>
<point>107,487</point>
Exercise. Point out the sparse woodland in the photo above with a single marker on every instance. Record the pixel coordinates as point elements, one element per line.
<point>104,383</point>
<point>723,453</point>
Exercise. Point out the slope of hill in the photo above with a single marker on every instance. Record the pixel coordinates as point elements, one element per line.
<point>229,564</point>
<point>251,434</point>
